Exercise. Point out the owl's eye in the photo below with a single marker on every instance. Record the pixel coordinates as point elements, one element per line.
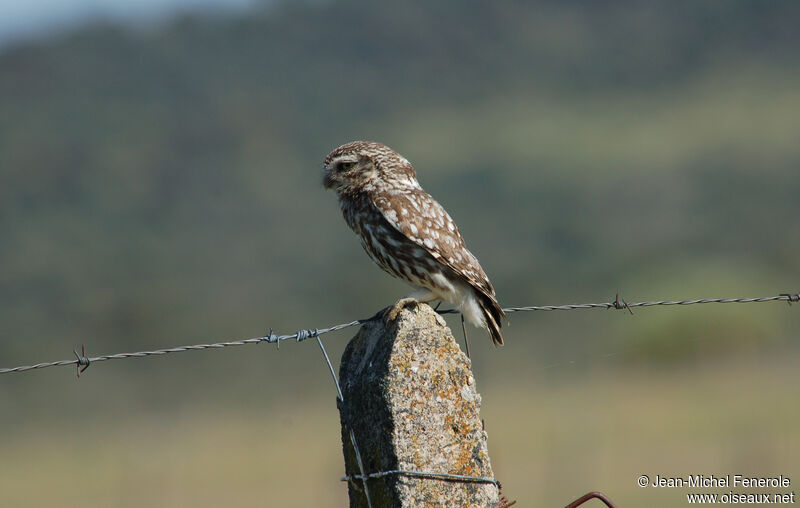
<point>346,166</point>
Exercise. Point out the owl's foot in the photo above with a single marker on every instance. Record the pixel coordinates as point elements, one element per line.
<point>391,313</point>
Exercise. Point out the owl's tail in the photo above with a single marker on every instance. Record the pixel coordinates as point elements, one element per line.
<point>493,314</point>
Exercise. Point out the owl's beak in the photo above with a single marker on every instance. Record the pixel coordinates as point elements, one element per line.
<point>327,179</point>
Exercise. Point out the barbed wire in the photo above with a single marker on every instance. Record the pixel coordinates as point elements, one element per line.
<point>82,361</point>
<point>340,398</point>
<point>423,474</point>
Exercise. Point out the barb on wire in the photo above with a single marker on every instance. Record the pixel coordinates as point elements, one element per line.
<point>82,361</point>
<point>621,304</point>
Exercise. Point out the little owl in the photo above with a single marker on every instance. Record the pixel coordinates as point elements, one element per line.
<point>407,233</point>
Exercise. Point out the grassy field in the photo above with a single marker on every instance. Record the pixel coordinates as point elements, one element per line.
<point>554,434</point>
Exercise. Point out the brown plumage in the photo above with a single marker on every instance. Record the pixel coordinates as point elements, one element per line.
<point>408,233</point>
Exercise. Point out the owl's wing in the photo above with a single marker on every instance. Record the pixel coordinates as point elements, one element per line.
<point>421,219</point>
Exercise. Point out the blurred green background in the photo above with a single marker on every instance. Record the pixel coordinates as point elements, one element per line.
<point>161,186</point>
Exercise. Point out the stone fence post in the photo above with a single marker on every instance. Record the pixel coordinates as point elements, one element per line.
<point>411,402</point>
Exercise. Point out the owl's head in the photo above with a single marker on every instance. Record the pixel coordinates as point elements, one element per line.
<point>366,165</point>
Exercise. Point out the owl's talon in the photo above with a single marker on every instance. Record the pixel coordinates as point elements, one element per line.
<point>392,312</point>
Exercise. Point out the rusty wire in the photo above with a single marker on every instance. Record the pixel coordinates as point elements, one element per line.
<point>589,496</point>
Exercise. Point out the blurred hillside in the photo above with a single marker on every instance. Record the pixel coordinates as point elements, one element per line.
<point>163,187</point>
